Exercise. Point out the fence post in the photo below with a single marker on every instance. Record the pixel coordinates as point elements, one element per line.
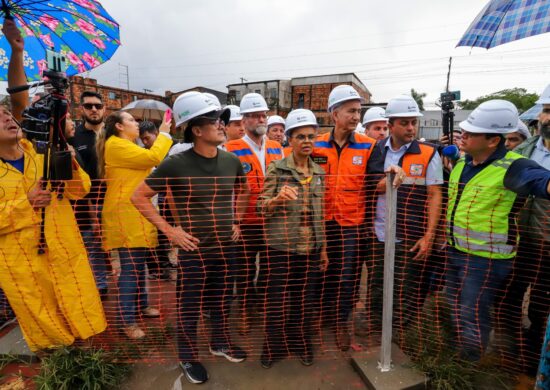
<point>389,261</point>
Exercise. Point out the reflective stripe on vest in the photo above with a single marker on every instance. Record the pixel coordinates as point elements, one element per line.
<point>478,220</point>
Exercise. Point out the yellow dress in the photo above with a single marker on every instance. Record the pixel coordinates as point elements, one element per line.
<point>53,295</point>
<point>126,166</point>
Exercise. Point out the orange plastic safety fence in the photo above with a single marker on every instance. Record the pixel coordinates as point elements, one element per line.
<point>290,283</point>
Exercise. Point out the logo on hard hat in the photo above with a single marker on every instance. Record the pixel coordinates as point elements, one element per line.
<point>301,118</point>
<point>256,104</point>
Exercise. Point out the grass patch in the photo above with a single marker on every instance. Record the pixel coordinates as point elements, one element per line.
<point>431,349</point>
<point>85,369</point>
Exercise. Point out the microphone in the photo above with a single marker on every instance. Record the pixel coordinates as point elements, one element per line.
<point>451,152</point>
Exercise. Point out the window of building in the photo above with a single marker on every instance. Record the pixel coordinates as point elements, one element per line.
<point>301,100</point>
<point>112,96</point>
<point>134,98</point>
<point>259,91</point>
<point>238,96</point>
<point>434,122</point>
<point>273,93</point>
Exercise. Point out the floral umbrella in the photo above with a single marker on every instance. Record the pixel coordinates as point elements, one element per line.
<point>81,30</point>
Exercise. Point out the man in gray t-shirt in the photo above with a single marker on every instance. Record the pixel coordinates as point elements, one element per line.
<point>207,193</point>
<point>202,189</point>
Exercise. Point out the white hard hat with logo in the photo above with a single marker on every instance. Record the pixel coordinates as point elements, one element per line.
<point>235,113</point>
<point>341,94</point>
<point>492,117</point>
<point>253,102</point>
<point>190,105</point>
<point>375,114</point>
<point>403,106</point>
<point>545,97</point>
<point>275,120</point>
<point>214,98</point>
<point>299,118</point>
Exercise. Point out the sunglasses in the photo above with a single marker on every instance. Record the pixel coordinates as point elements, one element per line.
<point>89,106</point>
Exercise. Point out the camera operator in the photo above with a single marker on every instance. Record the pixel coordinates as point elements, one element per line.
<point>44,288</point>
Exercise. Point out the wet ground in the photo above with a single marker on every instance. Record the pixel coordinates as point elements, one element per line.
<point>286,375</point>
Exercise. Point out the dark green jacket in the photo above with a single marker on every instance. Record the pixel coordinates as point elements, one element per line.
<point>534,218</point>
<point>282,224</point>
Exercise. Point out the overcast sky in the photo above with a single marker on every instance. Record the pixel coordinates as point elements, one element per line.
<point>392,45</point>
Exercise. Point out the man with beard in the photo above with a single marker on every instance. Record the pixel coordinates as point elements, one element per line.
<point>255,152</point>
<point>88,209</point>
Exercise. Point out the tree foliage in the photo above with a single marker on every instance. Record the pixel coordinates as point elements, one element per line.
<point>419,97</point>
<point>519,96</point>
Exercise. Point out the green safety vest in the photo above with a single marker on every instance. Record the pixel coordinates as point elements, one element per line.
<point>478,218</point>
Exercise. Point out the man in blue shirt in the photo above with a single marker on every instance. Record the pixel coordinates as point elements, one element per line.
<point>482,219</point>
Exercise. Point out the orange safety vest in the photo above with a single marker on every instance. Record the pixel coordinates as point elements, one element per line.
<point>287,151</point>
<point>345,177</point>
<point>412,195</point>
<point>253,170</point>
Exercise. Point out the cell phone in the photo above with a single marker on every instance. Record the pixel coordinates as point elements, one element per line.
<point>56,61</point>
<point>168,116</point>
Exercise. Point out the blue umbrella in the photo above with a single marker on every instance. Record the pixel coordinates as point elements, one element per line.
<point>503,21</point>
<point>532,113</point>
<point>79,29</point>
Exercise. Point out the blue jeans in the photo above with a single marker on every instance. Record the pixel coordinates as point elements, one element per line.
<point>96,256</point>
<point>132,287</point>
<point>471,283</point>
<point>343,274</point>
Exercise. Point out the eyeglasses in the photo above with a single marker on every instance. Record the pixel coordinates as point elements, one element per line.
<point>256,115</point>
<point>303,137</point>
<point>89,106</point>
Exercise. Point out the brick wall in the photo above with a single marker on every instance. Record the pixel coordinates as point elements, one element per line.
<point>113,98</point>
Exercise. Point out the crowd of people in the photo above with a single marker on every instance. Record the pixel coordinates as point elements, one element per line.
<point>272,213</point>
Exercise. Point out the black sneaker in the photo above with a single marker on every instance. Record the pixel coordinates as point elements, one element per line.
<point>232,353</point>
<point>266,361</point>
<point>194,372</point>
<point>306,359</point>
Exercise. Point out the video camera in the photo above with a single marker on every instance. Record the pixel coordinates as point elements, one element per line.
<point>44,121</point>
<point>447,114</point>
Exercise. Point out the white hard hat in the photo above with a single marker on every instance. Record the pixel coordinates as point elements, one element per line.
<point>403,106</point>
<point>299,118</point>
<point>235,113</point>
<point>192,104</point>
<point>275,120</point>
<point>492,117</point>
<point>214,98</point>
<point>545,97</point>
<point>524,130</point>
<point>253,102</point>
<point>341,94</point>
<point>375,114</point>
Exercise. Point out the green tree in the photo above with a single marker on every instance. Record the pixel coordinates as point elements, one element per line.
<point>419,97</point>
<point>519,96</point>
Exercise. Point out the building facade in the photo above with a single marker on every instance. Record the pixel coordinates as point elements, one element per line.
<point>277,94</point>
<point>312,93</point>
<point>172,96</point>
<point>113,98</point>
<point>431,124</point>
